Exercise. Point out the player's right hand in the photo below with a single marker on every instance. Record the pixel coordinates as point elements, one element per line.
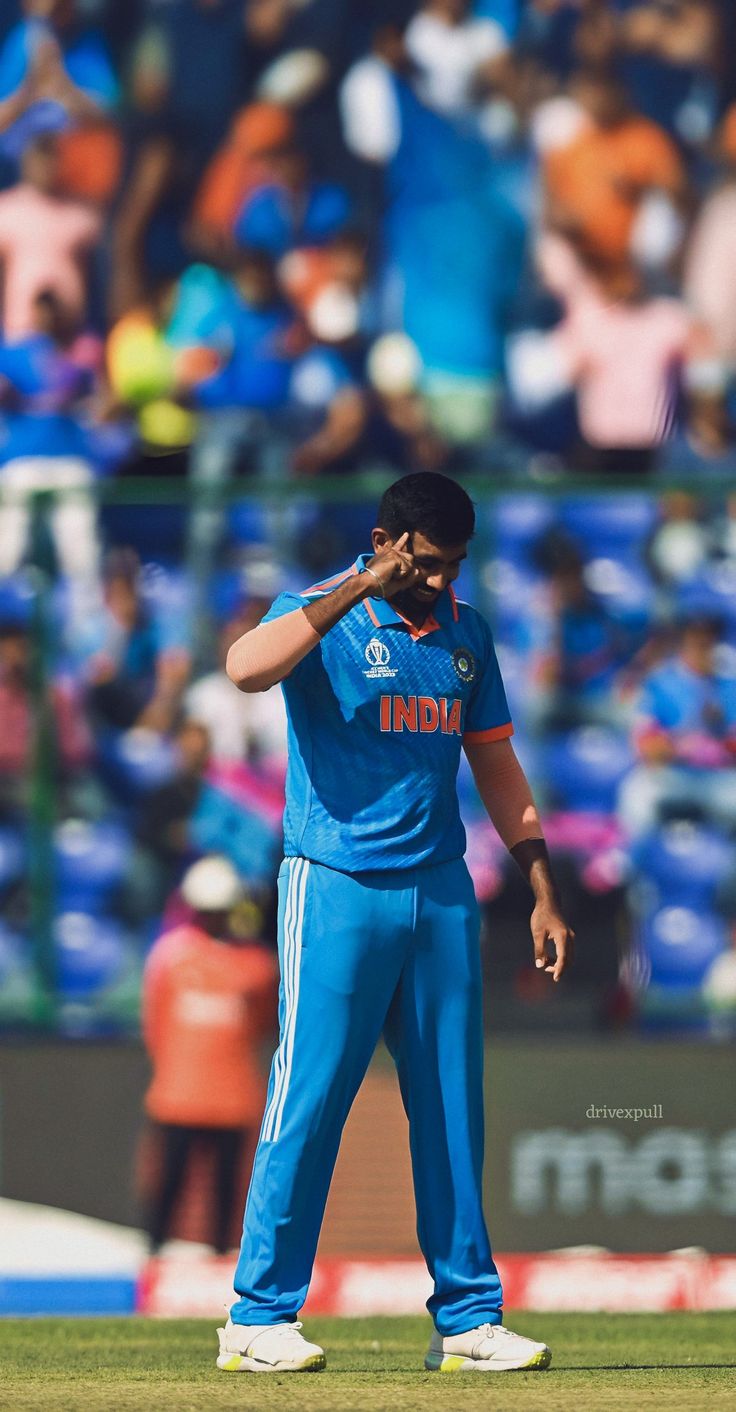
<point>394,569</point>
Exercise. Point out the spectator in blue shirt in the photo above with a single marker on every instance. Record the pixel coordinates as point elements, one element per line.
<point>249,325</point>
<point>328,409</point>
<point>245,320</point>
<point>685,734</point>
<point>453,248</point>
<point>46,441</point>
<point>54,71</point>
<point>133,654</point>
<point>242,406</point>
<point>581,650</point>
<point>292,211</point>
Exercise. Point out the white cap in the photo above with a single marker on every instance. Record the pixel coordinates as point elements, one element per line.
<point>394,365</point>
<point>333,314</point>
<point>293,78</point>
<point>212,885</point>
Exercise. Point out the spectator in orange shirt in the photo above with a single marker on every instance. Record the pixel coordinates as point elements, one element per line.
<point>596,182</point>
<point>257,132</point>
<point>209,1000</point>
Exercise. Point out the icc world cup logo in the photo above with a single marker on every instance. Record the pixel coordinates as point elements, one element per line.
<point>377,653</point>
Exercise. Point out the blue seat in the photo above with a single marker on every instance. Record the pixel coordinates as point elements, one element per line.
<point>226,591</point>
<point>613,525</point>
<point>164,584</point>
<point>91,954</point>
<point>516,522</point>
<point>685,862</point>
<point>16,599</point>
<point>12,856</point>
<point>351,525</point>
<point>275,523</point>
<point>625,589</point>
<point>712,591</point>
<point>585,767</point>
<point>249,522</point>
<point>681,944</point>
<point>515,591</point>
<point>14,951</point>
<point>156,531</point>
<point>91,860</point>
<point>137,760</point>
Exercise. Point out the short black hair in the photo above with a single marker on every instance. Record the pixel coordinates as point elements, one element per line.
<point>430,504</point>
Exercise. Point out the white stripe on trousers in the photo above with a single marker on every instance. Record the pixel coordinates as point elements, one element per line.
<point>293,923</point>
<point>278,1063</point>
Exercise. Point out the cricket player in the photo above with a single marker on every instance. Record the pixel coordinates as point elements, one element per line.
<point>387,676</point>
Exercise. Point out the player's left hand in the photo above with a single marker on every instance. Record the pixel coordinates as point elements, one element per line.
<point>553,940</point>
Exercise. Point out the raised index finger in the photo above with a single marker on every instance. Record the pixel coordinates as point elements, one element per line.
<point>399,544</point>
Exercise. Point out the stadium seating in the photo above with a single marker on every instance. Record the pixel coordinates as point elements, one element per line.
<point>16,598</point>
<point>624,587</point>
<point>98,975</point>
<point>612,526</point>
<point>584,768</point>
<point>712,591</point>
<point>158,533</point>
<point>425,269</point>
<point>12,856</point>
<point>516,522</point>
<point>91,861</point>
<point>680,944</point>
<point>136,761</point>
<point>684,863</point>
<point>91,954</point>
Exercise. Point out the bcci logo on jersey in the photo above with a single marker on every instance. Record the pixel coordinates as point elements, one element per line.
<point>464,663</point>
<point>378,655</point>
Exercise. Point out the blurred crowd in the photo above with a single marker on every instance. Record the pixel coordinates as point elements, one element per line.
<point>615,622</point>
<point>283,237</point>
<point>615,619</point>
<point>257,241</point>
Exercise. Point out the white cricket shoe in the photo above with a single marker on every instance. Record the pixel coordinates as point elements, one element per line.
<point>488,1349</point>
<point>267,1348</point>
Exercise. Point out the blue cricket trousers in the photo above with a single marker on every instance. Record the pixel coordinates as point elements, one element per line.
<point>361,953</point>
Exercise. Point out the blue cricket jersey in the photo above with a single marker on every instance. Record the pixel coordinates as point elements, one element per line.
<point>679,699</point>
<point>378,712</point>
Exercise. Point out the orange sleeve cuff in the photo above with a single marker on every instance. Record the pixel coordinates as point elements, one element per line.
<point>496,733</point>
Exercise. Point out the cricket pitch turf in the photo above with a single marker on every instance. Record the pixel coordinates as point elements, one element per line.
<point>599,1361</point>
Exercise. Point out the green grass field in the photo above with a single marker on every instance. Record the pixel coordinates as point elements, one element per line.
<point>599,1361</point>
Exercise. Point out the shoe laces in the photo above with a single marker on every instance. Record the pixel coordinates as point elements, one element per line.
<point>493,1331</point>
<point>286,1330</point>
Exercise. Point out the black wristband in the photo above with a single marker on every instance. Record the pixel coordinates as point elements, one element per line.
<point>528,852</point>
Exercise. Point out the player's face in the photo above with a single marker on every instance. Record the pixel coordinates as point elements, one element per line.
<point>439,566</point>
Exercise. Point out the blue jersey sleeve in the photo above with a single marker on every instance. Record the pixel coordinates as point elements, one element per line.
<point>487,716</point>
<point>286,602</point>
<point>660,702</point>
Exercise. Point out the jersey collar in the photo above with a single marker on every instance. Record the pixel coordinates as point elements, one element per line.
<point>383,615</point>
